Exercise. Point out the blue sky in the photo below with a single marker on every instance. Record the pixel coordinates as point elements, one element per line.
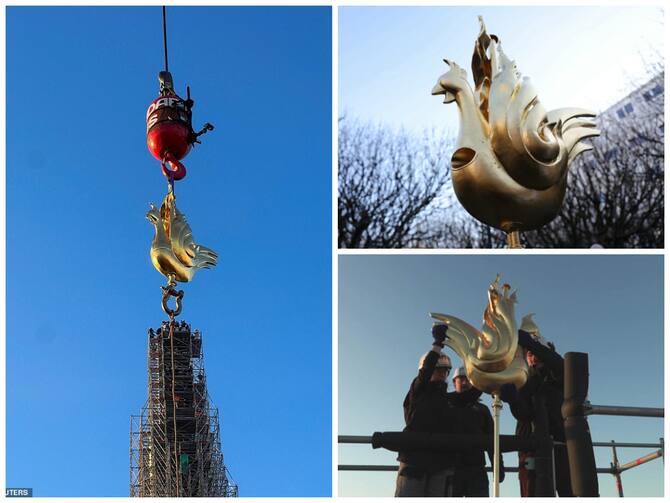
<point>391,57</point>
<point>610,307</point>
<point>81,291</point>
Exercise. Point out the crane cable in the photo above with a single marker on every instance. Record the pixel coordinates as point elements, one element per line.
<point>174,401</point>
<point>165,39</point>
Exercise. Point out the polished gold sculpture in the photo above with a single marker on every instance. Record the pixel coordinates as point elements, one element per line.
<point>173,252</point>
<point>511,161</point>
<point>491,356</point>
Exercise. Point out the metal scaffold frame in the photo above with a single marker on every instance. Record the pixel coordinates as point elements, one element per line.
<point>175,446</point>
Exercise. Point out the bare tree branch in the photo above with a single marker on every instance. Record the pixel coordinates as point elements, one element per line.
<point>615,195</point>
<point>389,183</point>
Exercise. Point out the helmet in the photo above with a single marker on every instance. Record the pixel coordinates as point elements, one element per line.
<point>528,325</point>
<point>459,372</point>
<point>443,362</point>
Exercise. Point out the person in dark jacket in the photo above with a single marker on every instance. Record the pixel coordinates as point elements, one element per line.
<point>545,383</point>
<point>427,409</point>
<point>470,478</point>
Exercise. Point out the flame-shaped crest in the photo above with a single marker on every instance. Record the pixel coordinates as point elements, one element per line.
<point>510,166</point>
<point>491,355</point>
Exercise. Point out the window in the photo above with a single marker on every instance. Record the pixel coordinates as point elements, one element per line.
<point>621,113</point>
<point>628,108</point>
<point>653,92</point>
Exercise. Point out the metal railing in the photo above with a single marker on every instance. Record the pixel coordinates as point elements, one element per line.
<point>574,410</point>
<point>614,469</point>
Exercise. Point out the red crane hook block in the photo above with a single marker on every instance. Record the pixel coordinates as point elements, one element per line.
<point>169,132</point>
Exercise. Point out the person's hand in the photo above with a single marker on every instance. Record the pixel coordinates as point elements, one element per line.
<point>525,339</point>
<point>439,334</point>
<point>508,393</point>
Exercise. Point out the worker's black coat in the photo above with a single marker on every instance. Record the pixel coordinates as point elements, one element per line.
<point>546,381</point>
<point>427,410</point>
<point>430,409</point>
<point>475,419</point>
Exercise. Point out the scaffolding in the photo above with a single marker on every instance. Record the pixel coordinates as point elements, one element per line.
<point>175,447</point>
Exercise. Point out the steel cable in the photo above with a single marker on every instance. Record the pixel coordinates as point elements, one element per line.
<point>165,50</point>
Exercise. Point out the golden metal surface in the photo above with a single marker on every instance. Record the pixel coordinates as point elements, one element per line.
<point>510,165</point>
<point>491,356</point>
<point>173,252</point>
<point>513,240</point>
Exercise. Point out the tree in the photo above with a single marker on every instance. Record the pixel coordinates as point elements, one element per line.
<point>615,196</point>
<point>389,183</point>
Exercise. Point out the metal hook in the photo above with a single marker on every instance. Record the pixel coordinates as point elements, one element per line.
<point>169,291</point>
<point>172,168</point>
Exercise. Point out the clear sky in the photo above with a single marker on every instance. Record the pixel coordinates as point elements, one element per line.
<point>81,290</point>
<point>391,57</point>
<point>610,307</point>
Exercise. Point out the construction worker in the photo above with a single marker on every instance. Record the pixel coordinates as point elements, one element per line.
<point>470,478</point>
<point>544,384</point>
<point>427,409</point>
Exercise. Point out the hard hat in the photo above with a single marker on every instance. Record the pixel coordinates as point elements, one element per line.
<point>442,362</point>
<point>528,325</point>
<point>460,372</point>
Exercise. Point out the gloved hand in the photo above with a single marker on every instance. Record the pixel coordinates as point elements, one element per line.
<point>508,393</point>
<point>439,334</point>
<point>525,339</point>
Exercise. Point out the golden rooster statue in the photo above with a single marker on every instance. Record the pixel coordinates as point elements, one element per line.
<point>173,252</point>
<point>492,356</point>
<point>511,161</point>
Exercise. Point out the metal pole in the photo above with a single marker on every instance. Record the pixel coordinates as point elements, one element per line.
<point>354,439</point>
<point>544,454</point>
<point>366,468</point>
<point>616,471</point>
<point>662,449</point>
<point>582,463</point>
<point>613,410</point>
<point>628,444</point>
<point>497,405</point>
<point>394,468</point>
<point>442,442</point>
<point>642,460</point>
<point>514,241</point>
<point>367,439</point>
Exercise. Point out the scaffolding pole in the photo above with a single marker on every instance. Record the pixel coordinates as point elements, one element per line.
<point>640,461</point>
<point>612,410</point>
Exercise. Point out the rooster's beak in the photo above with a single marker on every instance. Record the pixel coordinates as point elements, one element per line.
<point>438,89</point>
<point>448,96</point>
